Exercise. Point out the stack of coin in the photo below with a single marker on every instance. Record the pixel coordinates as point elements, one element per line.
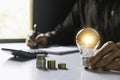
<point>51,64</point>
<point>41,61</point>
<point>62,66</point>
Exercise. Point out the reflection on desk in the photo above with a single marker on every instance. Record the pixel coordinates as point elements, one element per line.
<point>25,69</point>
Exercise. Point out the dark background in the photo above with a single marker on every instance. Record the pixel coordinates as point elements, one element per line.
<point>47,14</point>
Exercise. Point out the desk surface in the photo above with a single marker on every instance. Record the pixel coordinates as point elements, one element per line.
<point>22,69</point>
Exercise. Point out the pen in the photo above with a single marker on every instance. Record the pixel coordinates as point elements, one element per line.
<point>35,28</point>
<point>35,33</point>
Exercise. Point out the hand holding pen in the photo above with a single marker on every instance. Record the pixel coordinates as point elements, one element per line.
<point>30,40</point>
<point>35,40</point>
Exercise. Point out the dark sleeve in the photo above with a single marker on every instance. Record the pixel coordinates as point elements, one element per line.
<point>103,16</point>
<point>64,33</point>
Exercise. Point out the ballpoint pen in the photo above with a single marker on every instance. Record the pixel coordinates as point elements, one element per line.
<point>35,29</point>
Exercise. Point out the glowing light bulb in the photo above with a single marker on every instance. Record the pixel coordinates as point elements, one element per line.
<point>87,40</point>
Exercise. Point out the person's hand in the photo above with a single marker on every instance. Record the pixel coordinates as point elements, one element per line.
<point>36,41</point>
<point>41,40</point>
<point>44,39</point>
<point>107,57</point>
<point>30,40</point>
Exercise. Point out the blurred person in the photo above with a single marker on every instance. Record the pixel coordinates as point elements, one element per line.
<point>102,15</point>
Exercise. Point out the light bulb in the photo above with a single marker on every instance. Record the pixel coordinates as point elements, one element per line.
<point>87,40</point>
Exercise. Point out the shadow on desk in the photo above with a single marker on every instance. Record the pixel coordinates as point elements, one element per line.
<point>20,59</point>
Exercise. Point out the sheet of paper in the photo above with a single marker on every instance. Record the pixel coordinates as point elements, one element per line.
<point>58,49</point>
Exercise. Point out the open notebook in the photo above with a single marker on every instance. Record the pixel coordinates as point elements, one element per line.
<point>31,53</point>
